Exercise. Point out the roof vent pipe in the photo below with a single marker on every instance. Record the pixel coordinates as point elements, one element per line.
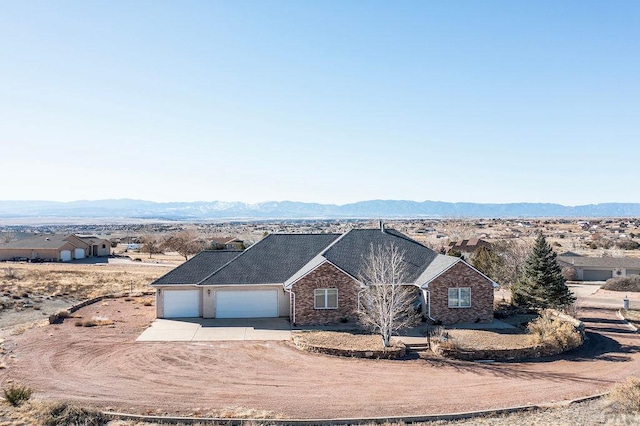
<point>382,226</point>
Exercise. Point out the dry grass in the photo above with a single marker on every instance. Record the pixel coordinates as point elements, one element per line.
<point>78,281</point>
<point>95,322</point>
<point>343,340</point>
<point>632,316</point>
<point>553,333</point>
<point>626,395</point>
<point>483,340</point>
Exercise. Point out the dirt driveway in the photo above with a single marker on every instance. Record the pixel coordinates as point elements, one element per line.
<point>106,367</point>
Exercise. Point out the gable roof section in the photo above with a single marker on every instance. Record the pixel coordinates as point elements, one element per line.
<point>274,259</point>
<point>40,241</point>
<point>197,268</point>
<point>440,264</point>
<point>600,262</point>
<point>349,252</point>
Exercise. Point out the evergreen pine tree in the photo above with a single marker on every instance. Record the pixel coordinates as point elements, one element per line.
<point>542,284</point>
<point>485,260</point>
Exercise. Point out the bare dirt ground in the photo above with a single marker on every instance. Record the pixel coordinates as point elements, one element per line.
<point>105,367</point>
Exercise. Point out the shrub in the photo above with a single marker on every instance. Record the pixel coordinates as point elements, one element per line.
<point>64,413</point>
<point>627,395</point>
<point>95,321</point>
<point>569,273</point>
<point>630,283</point>
<point>11,273</point>
<point>554,334</point>
<point>16,394</point>
<point>628,245</point>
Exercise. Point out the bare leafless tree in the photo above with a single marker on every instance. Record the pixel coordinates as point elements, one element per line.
<point>8,236</point>
<point>151,244</point>
<point>186,243</point>
<point>386,305</point>
<point>511,255</point>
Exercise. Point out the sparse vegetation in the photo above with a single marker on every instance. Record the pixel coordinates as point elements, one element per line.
<point>626,395</point>
<point>65,413</point>
<point>77,281</point>
<point>10,273</point>
<point>554,334</point>
<point>630,283</point>
<point>348,343</point>
<point>94,322</point>
<point>17,394</point>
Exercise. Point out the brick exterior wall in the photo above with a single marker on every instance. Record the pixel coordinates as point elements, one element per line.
<point>462,275</point>
<point>325,276</point>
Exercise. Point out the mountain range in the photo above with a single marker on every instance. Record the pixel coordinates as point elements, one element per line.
<point>208,210</point>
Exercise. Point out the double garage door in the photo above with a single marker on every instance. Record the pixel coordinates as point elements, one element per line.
<point>247,304</point>
<point>65,255</point>
<point>229,304</point>
<point>596,275</point>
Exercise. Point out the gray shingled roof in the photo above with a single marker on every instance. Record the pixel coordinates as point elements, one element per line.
<point>40,241</point>
<point>601,262</point>
<point>273,259</point>
<point>348,253</point>
<point>198,267</point>
<point>279,257</point>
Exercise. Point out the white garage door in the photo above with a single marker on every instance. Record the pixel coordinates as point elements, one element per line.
<point>247,304</point>
<point>181,303</point>
<point>79,253</point>
<point>65,255</point>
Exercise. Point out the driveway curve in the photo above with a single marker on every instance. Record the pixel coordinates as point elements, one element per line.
<point>104,366</point>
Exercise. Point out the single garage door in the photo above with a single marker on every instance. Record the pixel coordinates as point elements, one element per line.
<point>247,304</point>
<point>596,275</point>
<point>633,271</point>
<point>79,253</point>
<point>181,303</point>
<point>65,255</point>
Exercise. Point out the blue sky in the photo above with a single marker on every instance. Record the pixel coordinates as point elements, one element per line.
<point>325,101</point>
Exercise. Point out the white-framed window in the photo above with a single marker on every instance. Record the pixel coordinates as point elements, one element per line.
<point>325,298</point>
<point>460,297</point>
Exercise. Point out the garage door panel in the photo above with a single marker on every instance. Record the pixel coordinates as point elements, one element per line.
<point>596,275</point>
<point>181,303</point>
<point>247,304</point>
<point>65,255</point>
<point>633,271</point>
<point>79,253</point>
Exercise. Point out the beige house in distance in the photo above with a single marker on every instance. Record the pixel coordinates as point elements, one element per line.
<point>54,247</point>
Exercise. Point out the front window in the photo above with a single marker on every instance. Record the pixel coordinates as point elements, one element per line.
<point>325,298</point>
<point>460,297</point>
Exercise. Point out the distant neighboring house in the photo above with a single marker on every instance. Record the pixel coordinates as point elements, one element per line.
<point>98,247</point>
<point>599,268</point>
<point>52,247</point>
<point>227,243</point>
<point>466,247</point>
<point>314,279</point>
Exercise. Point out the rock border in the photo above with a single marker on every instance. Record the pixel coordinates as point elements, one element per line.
<point>626,321</point>
<point>60,316</point>
<point>351,421</point>
<point>537,351</point>
<point>395,352</point>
